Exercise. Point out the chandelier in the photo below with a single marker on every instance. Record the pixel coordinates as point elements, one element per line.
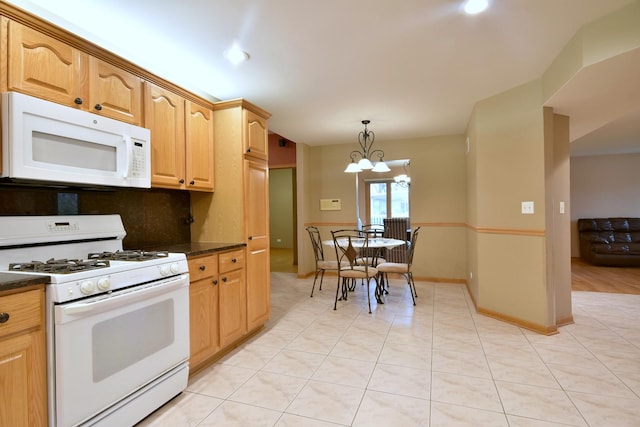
<point>366,154</point>
<point>403,180</point>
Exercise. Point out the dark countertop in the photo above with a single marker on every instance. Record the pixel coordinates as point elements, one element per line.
<point>201,248</point>
<point>10,281</point>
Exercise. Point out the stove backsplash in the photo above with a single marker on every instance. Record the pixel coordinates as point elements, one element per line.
<point>151,217</point>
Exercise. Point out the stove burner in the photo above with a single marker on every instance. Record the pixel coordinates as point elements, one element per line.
<point>58,266</point>
<point>130,255</point>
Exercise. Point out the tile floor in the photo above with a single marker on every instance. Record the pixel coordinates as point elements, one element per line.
<point>436,364</point>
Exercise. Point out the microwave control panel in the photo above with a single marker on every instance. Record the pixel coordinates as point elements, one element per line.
<point>138,159</point>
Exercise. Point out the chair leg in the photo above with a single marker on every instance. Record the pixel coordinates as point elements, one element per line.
<point>412,287</point>
<point>335,304</point>
<point>314,282</point>
<point>369,291</point>
<point>321,279</point>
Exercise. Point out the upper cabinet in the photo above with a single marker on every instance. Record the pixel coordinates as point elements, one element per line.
<point>181,140</point>
<point>47,68</point>
<point>256,139</point>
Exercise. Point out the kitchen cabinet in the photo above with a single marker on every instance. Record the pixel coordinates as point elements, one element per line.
<point>23,380</point>
<point>257,223</point>
<point>232,299</point>
<point>44,67</point>
<point>217,304</point>
<point>256,138</point>
<point>239,209</point>
<point>182,142</point>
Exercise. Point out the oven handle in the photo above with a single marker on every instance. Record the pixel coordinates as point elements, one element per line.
<point>128,296</point>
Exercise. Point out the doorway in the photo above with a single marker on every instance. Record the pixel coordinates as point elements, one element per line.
<point>282,220</point>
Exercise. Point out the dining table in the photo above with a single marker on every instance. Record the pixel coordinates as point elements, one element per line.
<point>378,243</point>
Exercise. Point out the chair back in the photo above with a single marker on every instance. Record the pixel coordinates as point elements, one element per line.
<point>412,246</point>
<point>316,243</point>
<point>396,228</point>
<point>347,251</point>
<point>371,230</point>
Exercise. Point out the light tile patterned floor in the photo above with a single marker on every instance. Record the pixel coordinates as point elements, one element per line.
<point>436,364</point>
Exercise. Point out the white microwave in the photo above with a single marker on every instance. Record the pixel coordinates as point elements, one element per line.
<point>45,141</point>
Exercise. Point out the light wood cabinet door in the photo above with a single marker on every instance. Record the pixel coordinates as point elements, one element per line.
<point>257,228</point>
<point>256,138</point>
<point>164,116</point>
<point>114,92</point>
<point>44,67</point>
<point>199,147</point>
<point>203,320</point>
<point>23,384</point>
<point>233,312</point>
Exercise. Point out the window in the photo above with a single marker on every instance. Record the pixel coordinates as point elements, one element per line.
<point>386,199</point>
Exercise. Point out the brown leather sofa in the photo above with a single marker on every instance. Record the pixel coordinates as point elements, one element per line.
<point>611,242</point>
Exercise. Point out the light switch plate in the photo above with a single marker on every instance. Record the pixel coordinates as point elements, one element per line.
<point>527,208</point>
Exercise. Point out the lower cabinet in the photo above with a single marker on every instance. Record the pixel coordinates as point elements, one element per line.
<point>23,380</point>
<point>217,299</point>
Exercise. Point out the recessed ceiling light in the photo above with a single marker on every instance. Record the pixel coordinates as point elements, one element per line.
<point>235,55</point>
<point>475,6</point>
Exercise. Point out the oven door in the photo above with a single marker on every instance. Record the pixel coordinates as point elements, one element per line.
<point>109,346</point>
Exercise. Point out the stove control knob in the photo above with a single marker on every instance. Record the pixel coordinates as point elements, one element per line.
<point>164,270</point>
<point>87,287</point>
<point>175,269</point>
<point>104,283</point>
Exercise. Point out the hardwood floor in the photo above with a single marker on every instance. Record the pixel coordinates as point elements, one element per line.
<point>619,280</point>
<point>282,260</point>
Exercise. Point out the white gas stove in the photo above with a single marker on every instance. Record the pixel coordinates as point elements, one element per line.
<point>81,254</point>
<point>117,320</point>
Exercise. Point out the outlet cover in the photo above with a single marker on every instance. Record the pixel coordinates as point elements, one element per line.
<point>527,208</point>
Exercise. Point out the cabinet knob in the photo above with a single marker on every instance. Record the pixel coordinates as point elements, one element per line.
<point>203,267</point>
<point>234,260</point>
<point>215,281</point>
<point>98,107</point>
<point>250,237</point>
<point>181,181</point>
<point>224,279</point>
<point>4,317</point>
<point>192,182</point>
<point>248,150</point>
<point>78,101</point>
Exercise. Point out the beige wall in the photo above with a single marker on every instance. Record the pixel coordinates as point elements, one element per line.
<point>437,198</point>
<point>603,186</point>
<point>507,160</point>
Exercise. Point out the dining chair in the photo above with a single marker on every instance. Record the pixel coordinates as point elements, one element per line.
<point>347,244</point>
<point>396,228</point>
<point>371,256</point>
<point>402,268</point>
<point>322,265</point>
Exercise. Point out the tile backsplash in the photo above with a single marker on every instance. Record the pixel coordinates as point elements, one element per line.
<point>151,217</point>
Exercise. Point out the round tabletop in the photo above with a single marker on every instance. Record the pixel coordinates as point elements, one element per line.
<point>374,242</point>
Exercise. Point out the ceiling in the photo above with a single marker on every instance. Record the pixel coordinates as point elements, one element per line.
<point>415,68</point>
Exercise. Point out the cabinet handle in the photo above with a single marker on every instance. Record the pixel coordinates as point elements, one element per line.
<point>215,281</point>
<point>181,181</point>
<point>98,107</point>
<point>224,279</point>
<point>4,317</point>
<point>234,260</point>
<point>192,182</point>
<point>203,267</point>
<point>78,101</point>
